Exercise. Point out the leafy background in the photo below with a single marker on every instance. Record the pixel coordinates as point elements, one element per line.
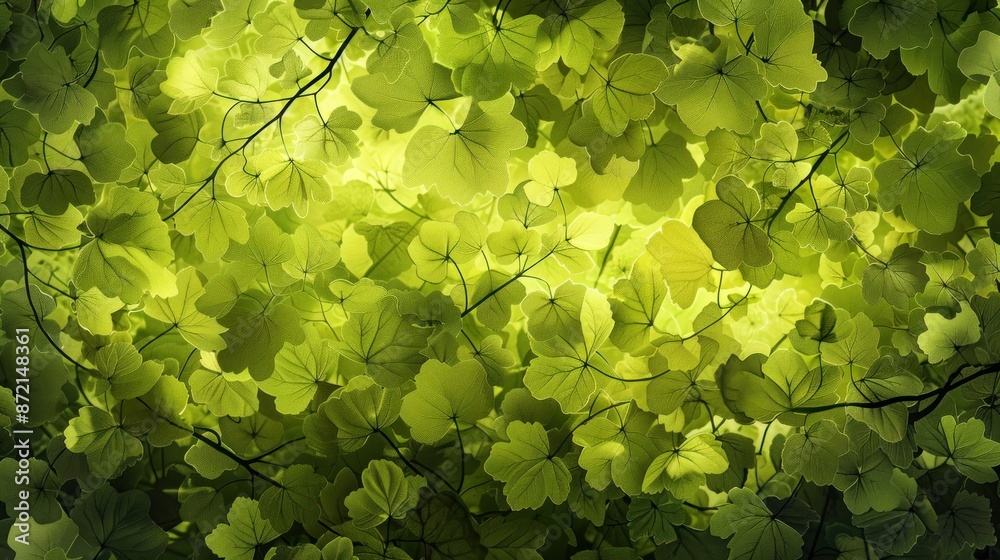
<point>452,279</point>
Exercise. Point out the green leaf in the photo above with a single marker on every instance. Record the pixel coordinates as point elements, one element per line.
<point>265,251</point>
<point>662,168</point>
<point>636,303</point>
<point>965,446</point>
<point>755,531</point>
<point>967,522</point>
<point>387,343</point>
<point>55,191</point>
<point>54,232</point>
<point>332,140</point>
<point>567,362</point>
<point>493,58</point>
<point>121,370</point>
<point>741,453</point>
<point>627,91</point>
<point>293,182</point>
<point>864,480</point>
<point>783,42</point>
<point>226,394</point>
<point>818,227</point>
<point>387,248</point>
<point>787,384</point>
<point>548,173</point>
<point>214,223</point>
<point>104,150</point>
<point>109,448</point>
<point>617,448</point>
<point>512,539</point>
<point>682,469</point>
<point>255,333</point>
<point>944,336</point>
<point>119,523</point>
<point>143,26</point>
<point>300,370</point>
<point>280,29</point>
<point>433,248</point>
<point>580,30</point>
<point>815,452</point>
<point>896,530</point>
<point>131,249</point>
<point>246,530</point>
<point>887,25</point>
<point>94,311</point>
<point>527,467</point>
<point>470,159</point>
<point>400,104</point>
<point>896,279</point>
<point>385,493</point>
<point>727,226</point>
<point>494,294</point>
<point>52,92</point>
<point>42,486</point>
<point>179,311</point>
<point>713,89</point>
<point>21,131</point>
<point>686,262</point>
<point>357,411</point>
<point>977,62</point>
<point>728,12</point>
<point>849,192</point>
<point>952,33</point>
<point>590,231</point>
<point>176,135</point>
<point>444,396</point>
<point>208,461</point>
<point>883,380</point>
<point>189,83</point>
<point>930,179</point>
<point>297,499</point>
<point>188,19</point>
<point>856,342</point>
<point>655,517</point>
<point>158,414</point>
<point>61,538</point>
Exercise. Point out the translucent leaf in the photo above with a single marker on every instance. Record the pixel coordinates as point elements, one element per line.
<point>52,92</point>
<point>245,531</point>
<point>225,394</point>
<point>713,89</point>
<point>444,396</point>
<point>815,452</point>
<point>682,469</point>
<point>530,473</point>
<point>108,447</point>
<point>965,446</point>
<point>888,25</point>
<point>385,493</point>
<point>131,249</point>
<point>627,92</point>
<point>180,312</point>
<point>944,336</point>
<point>119,523</point>
<point>783,42</point>
<point>756,533</point>
<point>470,159</point>
<point>727,226</point>
<point>930,179</point>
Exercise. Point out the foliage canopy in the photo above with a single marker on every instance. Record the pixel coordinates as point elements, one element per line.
<point>513,280</point>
